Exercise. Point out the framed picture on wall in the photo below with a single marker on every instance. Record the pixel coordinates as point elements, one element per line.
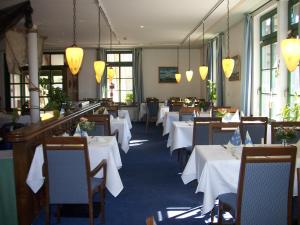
<point>167,74</point>
<point>236,74</point>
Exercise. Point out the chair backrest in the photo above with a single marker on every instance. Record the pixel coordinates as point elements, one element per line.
<point>176,106</point>
<point>283,124</point>
<point>220,133</point>
<point>201,129</point>
<point>266,185</point>
<point>187,113</point>
<point>67,169</point>
<point>256,127</point>
<point>102,125</point>
<point>113,110</point>
<point>152,107</point>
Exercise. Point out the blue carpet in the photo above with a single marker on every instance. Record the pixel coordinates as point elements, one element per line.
<point>152,186</point>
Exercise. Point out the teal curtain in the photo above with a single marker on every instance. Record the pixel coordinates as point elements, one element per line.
<point>210,74</point>
<point>219,69</point>
<point>248,66</point>
<point>138,90</point>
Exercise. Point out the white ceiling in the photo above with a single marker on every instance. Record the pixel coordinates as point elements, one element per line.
<point>166,22</point>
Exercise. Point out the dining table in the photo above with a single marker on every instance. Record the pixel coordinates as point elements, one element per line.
<point>99,148</point>
<point>162,110</point>
<point>124,114</point>
<point>124,134</point>
<point>216,169</point>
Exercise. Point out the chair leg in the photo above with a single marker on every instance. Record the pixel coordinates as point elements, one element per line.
<point>102,205</point>
<point>47,209</point>
<point>91,215</point>
<point>58,210</point>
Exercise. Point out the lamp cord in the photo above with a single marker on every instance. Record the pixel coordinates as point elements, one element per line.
<point>110,40</point>
<point>203,43</point>
<point>99,27</point>
<point>189,53</point>
<point>228,51</point>
<point>177,59</point>
<point>74,22</point>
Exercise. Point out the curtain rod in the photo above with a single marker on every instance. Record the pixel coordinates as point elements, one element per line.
<point>263,5</point>
<point>202,21</point>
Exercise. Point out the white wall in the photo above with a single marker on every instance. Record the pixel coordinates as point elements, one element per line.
<point>86,77</point>
<point>232,90</point>
<point>154,58</point>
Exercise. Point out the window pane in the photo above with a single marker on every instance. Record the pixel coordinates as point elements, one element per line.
<point>15,90</point>
<point>27,90</point>
<point>46,60</point>
<point>295,14</point>
<point>123,95</point>
<point>274,55</point>
<point>15,102</point>
<point>112,57</point>
<point>265,81</point>
<point>295,82</point>
<point>274,82</point>
<point>275,23</point>
<point>43,102</point>
<point>126,84</point>
<point>57,59</point>
<point>57,86</point>
<point>266,27</point>
<point>276,108</point>
<point>15,78</point>
<point>266,57</point>
<point>57,79</point>
<point>265,105</point>
<point>126,72</point>
<point>126,57</point>
<point>115,82</point>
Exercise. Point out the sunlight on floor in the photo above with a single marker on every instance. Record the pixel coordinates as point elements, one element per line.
<point>137,142</point>
<point>184,212</point>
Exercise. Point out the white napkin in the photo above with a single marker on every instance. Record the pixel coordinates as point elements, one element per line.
<point>235,117</point>
<point>235,140</point>
<point>227,118</point>
<point>248,141</point>
<point>105,112</point>
<point>78,132</point>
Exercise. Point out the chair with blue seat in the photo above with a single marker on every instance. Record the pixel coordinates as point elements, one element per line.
<point>113,110</point>
<point>285,124</point>
<point>220,133</point>
<point>68,176</point>
<point>102,125</point>
<point>265,188</point>
<point>152,106</point>
<point>187,113</point>
<point>256,127</point>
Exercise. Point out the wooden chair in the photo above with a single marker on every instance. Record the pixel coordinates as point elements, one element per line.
<point>152,110</point>
<point>102,125</point>
<point>257,128</point>
<point>68,176</point>
<point>285,124</point>
<point>176,106</point>
<point>113,110</point>
<point>265,187</point>
<point>187,113</point>
<point>220,133</point>
<point>150,220</point>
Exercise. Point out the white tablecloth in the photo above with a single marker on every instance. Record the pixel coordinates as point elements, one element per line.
<point>124,132</point>
<point>124,114</point>
<point>161,113</point>
<point>100,147</point>
<point>181,135</point>
<point>168,120</point>
<point>217,172</point>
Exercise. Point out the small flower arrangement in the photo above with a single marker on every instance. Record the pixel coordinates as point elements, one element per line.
<point>86,125</point>
<point>285,133</point>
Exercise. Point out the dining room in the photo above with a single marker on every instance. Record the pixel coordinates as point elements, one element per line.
<point>149,112</point>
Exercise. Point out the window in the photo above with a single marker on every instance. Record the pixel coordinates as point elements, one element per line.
<point>52,72</point>
<point>122,62</point>
<point>293,77</point>
<point>268,65</point>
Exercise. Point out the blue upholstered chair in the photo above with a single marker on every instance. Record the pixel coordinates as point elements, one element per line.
<point>285,124</point>
<point>176,106</point>
<point>151,110</point>
<point>220,133</point>
<point>113,110</point>
<point>69,179</point>
<point>102,125</point>
<point>265,187</point>
<point>256,127</point>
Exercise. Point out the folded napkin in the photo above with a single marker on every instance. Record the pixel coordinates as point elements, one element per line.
<point>105,112</point>
<point>248,141</point>
<point>227,118</point>
<point>79,132</point>
<point>235,140</point>
<point>235,117</point>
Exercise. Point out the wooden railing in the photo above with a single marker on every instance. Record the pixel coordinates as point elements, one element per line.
<point>24,142</point>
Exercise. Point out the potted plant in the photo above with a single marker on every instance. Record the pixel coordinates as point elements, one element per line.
<point>212,92</point>
<point>129,98</point>
<point>291,113</point>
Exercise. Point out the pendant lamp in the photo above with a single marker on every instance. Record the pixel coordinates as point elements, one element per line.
<point>290,48</point>
<point>110,70</point>
<point>74,54</point>
<point>99,65</point>
<point>178,75</point>
<point>228,63</point>
<point>189,73</point>
<point>203,70</point>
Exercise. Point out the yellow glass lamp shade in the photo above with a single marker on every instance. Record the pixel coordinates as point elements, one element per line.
<point>178,77</point>
<point>189,75</point>
<point>228,65</point>
<point>74,57</point>
<point>110,73</point>
<point>291,52</point>
<point>99,67</point>
<point>203,70</point>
